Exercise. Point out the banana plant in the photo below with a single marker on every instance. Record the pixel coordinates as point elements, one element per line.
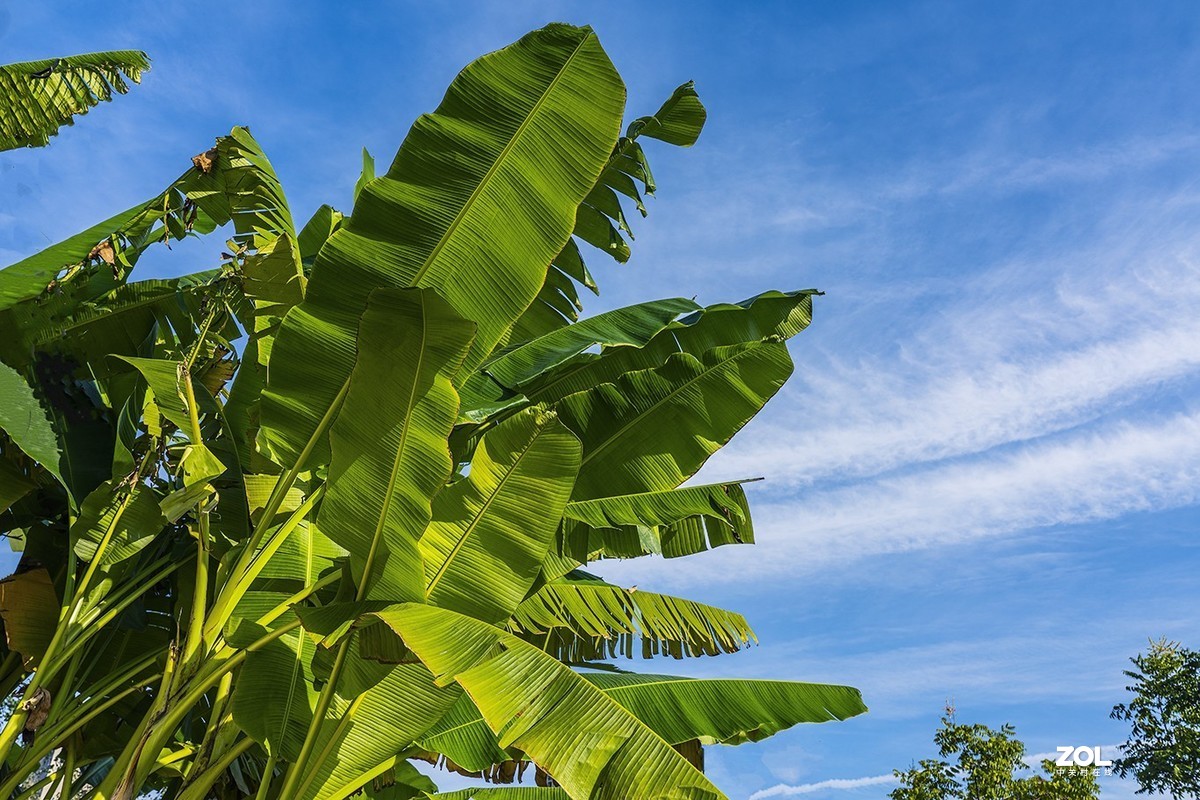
<point>335,506</point>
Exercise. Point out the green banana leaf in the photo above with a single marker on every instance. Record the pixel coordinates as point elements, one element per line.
<point>477,202</point>
<point>589,743</point>
<point>39,97</point>
<point>390,455</point>
<point>662,507</point>
<point>500,380</point>
<point>600,217</point>
<point>274,697</point>
<point>118,322</point>
<point>116,522</point>
<point>367,728</point>
<point>726,711</point>
<point>679,710</point>
<point>767,315</point>
<point>25,421</point>
<point>581,618</point>
<point>504,793</point>
<point>678,122</point>
<point>491,530</point>
<point>14,484</point>
<point>630,325</point>
<point>97,260</point>
<point>672,524</point>
<point>29,606</point>
<point>653,429</point>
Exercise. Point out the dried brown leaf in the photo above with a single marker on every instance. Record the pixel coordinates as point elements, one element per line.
<point>206,162</point>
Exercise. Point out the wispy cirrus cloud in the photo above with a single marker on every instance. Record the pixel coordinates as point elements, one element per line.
<point>1088,476</point>
<point>1063,403</point>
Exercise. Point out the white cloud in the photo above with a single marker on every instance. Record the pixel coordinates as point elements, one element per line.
<point>1056,389</point>
<point>785,790</point>
<point>1082,477</point>
<point>887,422</point>
<point>1000,366</point>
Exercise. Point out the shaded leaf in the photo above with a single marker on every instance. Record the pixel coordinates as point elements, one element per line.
<point>29,607</point>
<point>25,421</point>
<point>581,618</point>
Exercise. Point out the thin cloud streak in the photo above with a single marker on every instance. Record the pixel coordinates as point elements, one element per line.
<point>784,790</point>
<point>1087,477</point>
<point>969,412</point>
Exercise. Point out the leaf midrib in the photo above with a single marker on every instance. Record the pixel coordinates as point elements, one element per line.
<point>470,529</point>
<point>704,373</point>
<point>400,450</point>
<point>484,182</point>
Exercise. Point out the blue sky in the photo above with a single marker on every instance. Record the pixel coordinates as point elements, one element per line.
<point>983,478</point>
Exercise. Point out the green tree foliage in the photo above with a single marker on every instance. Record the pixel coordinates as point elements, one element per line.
<point>334,506</point>
<point>981,763</point>
<point>39,97</point>
<point>1163,749</point>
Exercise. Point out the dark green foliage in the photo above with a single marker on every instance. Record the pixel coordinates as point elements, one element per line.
<point>1163,749</point>
<point>982,763</point>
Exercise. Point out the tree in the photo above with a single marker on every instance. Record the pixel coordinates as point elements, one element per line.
<point>39,97</point>
<point>291,567</point>
<point>986,765</point>
<point>1163,749</point>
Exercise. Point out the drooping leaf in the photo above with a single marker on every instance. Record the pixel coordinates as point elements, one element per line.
<point>726,711</point>
<point>463,737</point>
<point>581,618</point>
<point>504,793</point>
<point>653,429</point>
<point>118,322</point>
<point>659,508</point>
<point>390,455</point>
<point>589,743</point>
<point>672,523</point>
<point>678,122</point>
<point>116,522</point>
<point>39,97</point>
<point>491,530</point>
<point>600,218</point>
<point>97,260</point>
<point>479,199</point>
<point>557,303</point>
<point>400,781</point>
<point>14,484</point>
<point>696,534</point>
